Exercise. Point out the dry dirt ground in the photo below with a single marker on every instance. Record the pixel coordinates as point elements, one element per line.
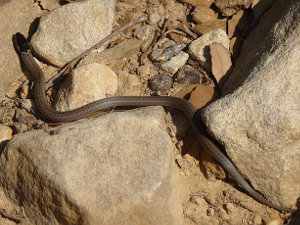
<point>207,195</point>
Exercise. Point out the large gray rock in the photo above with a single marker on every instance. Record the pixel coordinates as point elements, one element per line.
<point>69,30</point>
<point>259,123</point>
<point>115,169</point>
<point>15,16</point>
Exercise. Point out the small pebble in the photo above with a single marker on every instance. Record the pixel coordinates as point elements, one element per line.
<point>229,207</point>
<point>199,201</point>
<point>172,51</point>
<point>156,14</point>
<point>189,75</point>
<point>210,212</point>
<point>165,49</point>
<point>161,82</point>
<point>224,214</point>
<point>257,220</point>
<point>146,71</point>
<point>6,133</point>
<point>220,60</point>
<point>155,18</point>
<point>201,95</point>
<point>25,104</point>
<point>175,63</point>
<point>159,48</point>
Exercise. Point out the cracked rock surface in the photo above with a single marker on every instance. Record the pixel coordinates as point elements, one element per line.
<point>259,120</point>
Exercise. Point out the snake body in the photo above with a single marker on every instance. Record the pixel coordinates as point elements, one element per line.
<point>49,114</point>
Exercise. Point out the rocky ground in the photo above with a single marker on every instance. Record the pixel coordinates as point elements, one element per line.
<point>235,60</point>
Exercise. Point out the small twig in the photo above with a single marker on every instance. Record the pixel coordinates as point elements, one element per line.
<point>68,67</point>
<point>175,31</point>
<point>15,218</point>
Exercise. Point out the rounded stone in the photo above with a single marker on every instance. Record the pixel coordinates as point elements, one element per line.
<point>89,83</point>
<point>175,63</point>
<point>69,30</point>
<point>190,75</point>
<point>161,82</point>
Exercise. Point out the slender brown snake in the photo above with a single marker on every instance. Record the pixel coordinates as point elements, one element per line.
<point>49,114</point>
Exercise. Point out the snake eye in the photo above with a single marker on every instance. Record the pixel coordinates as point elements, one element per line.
<point>20,42</point>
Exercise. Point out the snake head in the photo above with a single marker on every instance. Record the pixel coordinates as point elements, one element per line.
<point>20,43</point>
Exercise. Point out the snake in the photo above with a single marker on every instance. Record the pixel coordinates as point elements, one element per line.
<point>47,113</point>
